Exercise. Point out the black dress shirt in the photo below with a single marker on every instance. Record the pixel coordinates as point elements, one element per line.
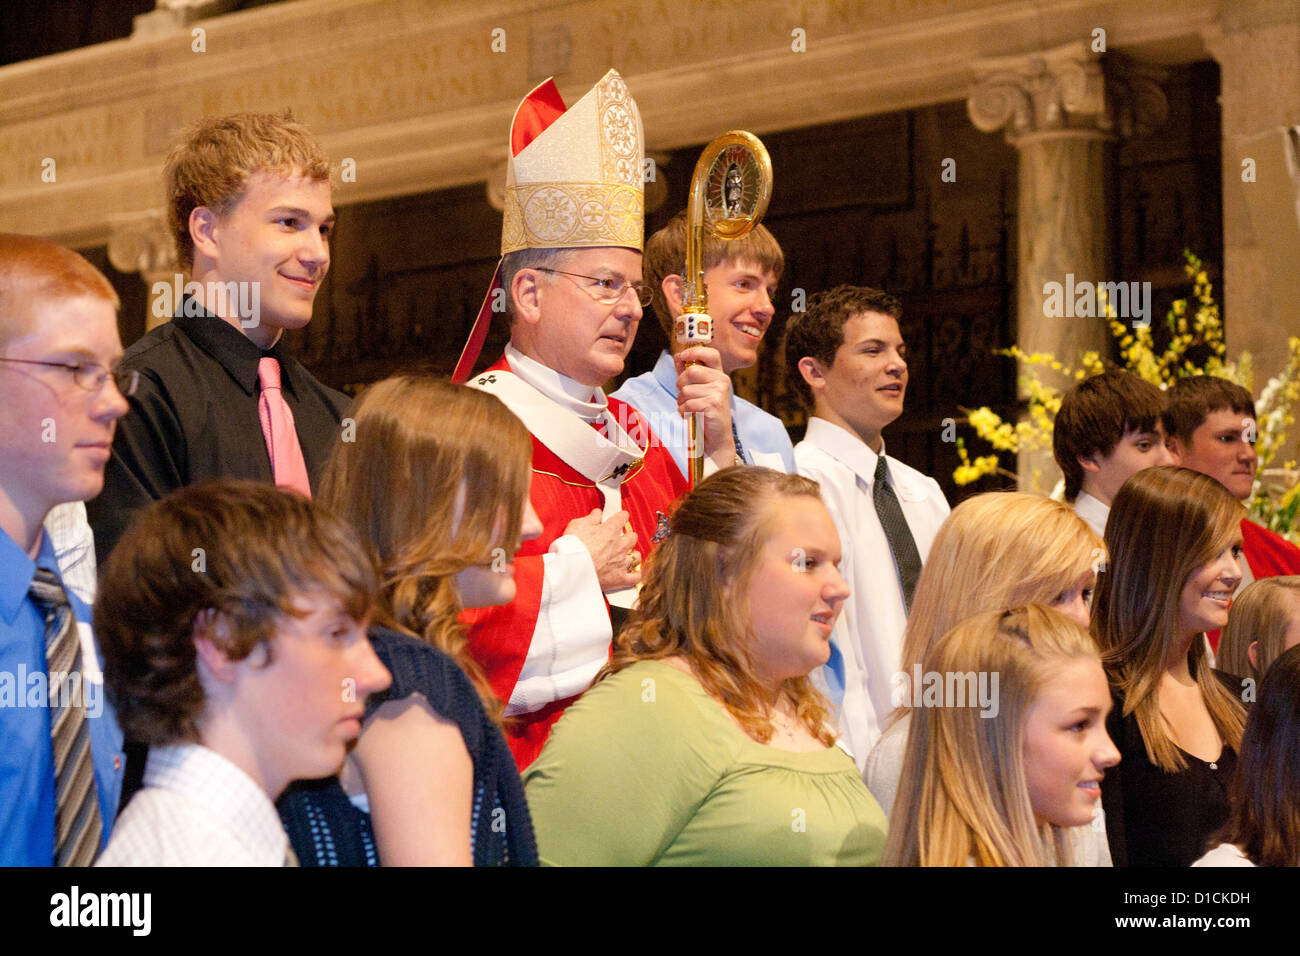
<point>1157,818</point>
<point>194,417</point>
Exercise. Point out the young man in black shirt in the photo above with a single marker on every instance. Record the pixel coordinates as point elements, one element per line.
<point>219,395</point>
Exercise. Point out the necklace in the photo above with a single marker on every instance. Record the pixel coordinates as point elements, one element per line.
<point>782,723</point>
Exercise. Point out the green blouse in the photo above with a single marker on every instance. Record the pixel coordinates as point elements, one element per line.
<point>647,769</point>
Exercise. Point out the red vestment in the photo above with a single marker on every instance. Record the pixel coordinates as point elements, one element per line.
<point>500,637</point>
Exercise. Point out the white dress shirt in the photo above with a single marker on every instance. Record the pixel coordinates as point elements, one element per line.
<point>197,809</point>
<point>1093,512</point>
<point>74,548</point>
<point>869,633</point>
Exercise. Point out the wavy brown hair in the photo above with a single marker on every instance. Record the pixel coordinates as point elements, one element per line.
<point>964,793</point>
<point>694,600</point>
<point>420,443</point>
<point>242,548</point>
<point>1165,524</point>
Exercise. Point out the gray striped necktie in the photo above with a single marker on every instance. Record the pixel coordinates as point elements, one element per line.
<point>899,535</point>
<point>77,826</point>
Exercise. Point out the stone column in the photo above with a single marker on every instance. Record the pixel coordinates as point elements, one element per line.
<point>139,242</point>
<point>1062,109</point>
<point>1257,46</point>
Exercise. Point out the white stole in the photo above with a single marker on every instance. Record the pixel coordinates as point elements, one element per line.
<point>602,461</point>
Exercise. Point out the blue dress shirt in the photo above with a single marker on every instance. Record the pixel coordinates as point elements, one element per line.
<point>26,760</point>
<point>654,395</point>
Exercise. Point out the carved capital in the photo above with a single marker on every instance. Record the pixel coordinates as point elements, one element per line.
<point>140,242</point>
<point>1069,89</point>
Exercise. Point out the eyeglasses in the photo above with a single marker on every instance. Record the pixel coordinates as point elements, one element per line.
<point>608,291</point>
<point>91,375</point>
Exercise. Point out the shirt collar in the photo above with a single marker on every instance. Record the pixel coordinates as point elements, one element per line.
<point>224,791</point>
<point>1091,511</point>
<point>584,401</point>
<point>665,373</point>
<point>17,571</point>
<point>233,350</point>
<point>845,447</point>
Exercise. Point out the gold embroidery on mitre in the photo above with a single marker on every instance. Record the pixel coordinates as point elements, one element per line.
<point>565,215</point>
<point>580,183</point>
<point>621,151</point>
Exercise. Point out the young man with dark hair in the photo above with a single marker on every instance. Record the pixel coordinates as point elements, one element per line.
<point>741,277</point>
<point>602,483</point>
<point>1211,426</point>
<point>846,359</point>
<point>220,394</point>
<point>233,621</point>
<point>1108,428</point>
<point>61,394</point>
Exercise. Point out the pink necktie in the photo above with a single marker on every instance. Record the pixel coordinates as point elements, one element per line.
<point>287,463</point>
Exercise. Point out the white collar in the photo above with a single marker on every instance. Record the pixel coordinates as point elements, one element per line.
<point>846,447</point>
<point>1092,511</point>
<point>584,401</point>
<point>223,790</point>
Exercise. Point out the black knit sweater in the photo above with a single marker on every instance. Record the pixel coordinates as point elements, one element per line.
<point>326,829</point>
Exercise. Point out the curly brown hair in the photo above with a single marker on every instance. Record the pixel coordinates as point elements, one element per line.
<point>244,549</point>
<point>818,331</point>
<point>693,601</point>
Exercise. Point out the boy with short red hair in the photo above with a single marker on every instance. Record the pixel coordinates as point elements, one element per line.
<point>60,399</point>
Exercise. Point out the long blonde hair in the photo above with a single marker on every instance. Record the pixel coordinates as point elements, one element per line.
<point>1260,615</point>
<point>995,551</point>
<point>964,794</point>
<point>419,443</point>
<point>1164,525</point>
<point>693,601</point>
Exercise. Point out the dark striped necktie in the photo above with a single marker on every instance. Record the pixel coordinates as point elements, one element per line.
<point>899,535</point>
<point>77,826</point>
<point>740,447</point>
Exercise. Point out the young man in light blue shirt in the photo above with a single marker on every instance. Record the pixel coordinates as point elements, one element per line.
<point>741,277</point>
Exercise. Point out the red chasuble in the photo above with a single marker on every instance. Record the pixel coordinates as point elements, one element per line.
<point>499,637</point>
